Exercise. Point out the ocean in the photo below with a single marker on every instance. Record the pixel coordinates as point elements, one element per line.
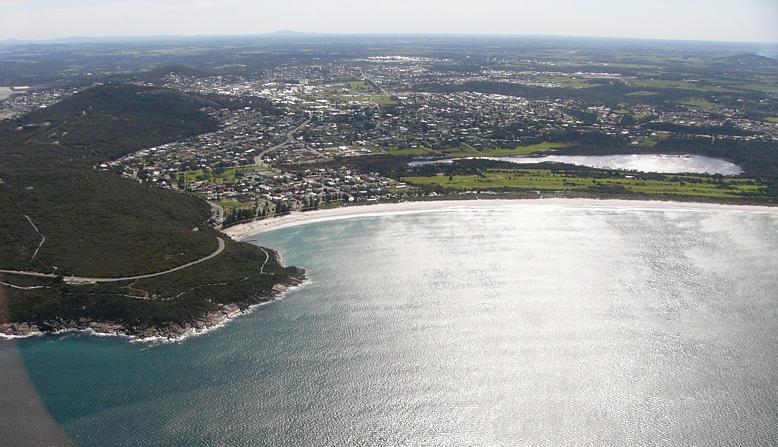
<point>511,325</point>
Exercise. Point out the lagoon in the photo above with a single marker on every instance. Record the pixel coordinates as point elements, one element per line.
<point>670,164</point>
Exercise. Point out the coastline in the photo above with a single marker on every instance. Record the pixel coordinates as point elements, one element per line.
<point>243,231</point>
<point>171,333</point>
<point>225,313</point>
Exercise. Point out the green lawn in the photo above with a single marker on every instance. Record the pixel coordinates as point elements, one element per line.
<point>762,88</point>
<point>652,141</point>
<point>226,176</point>
<point>517,151</point>
<point>642,93</point>
<point>693,86</point>
<point>384,100</point>
<point>359,85</point>
<point>358,96</point>
<point>546,180</point>
<point>772,119</point>
<point>418,151</point>
<point>699,102</point>
<point>232,204</point>
<point>565,81</point>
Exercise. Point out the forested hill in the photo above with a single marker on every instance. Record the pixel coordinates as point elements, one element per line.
<point>749,61</point>
<point>98,224</point>
<point>93,221</point>
<point>111,120</point>
<point>157,76</point>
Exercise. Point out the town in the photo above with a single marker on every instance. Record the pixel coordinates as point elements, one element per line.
<point>281,149</point>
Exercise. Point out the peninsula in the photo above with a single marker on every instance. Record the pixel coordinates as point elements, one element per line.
<point>89,250</point>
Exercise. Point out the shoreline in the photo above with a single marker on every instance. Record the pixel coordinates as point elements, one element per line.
<point>226,313</point>
<point>243,231</point>
<point>174,333</point>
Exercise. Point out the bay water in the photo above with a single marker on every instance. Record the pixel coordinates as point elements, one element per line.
<point>506,325</point>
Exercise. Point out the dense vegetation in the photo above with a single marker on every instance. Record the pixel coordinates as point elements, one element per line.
<point>109,121</point>
<point>87,216</point>
<point>100,225</point>
<point>179,298</point>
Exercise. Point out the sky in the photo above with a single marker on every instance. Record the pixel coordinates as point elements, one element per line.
<point>717,20</point>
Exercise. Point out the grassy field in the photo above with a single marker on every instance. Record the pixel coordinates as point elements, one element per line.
<point>653,141</point>
<point>699,102</point>
<point>692,86</point>
<point>359,85</point>
<point>565,81</point>
<point>357,91</point>
<point>772,119</point>
<point>226,176</point>
<point>762,88</point>
<point>418,151</point>
<point>233,204</point>
<point>642,93</point>
<point>517,151</point>
<point>547,180</point>
<point>383,100</point>
<point>358,96</point>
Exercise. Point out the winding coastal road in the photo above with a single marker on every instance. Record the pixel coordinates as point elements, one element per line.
<point>85,280</point>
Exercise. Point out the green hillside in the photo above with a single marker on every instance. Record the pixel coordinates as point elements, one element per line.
<point>112,120</point>
<point>97,224</point>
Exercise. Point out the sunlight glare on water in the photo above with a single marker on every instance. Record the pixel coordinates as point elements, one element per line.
<point>669,164</point>
<point>517,325</point>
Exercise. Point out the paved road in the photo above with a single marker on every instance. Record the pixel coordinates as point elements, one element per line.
<point>83,280</point>
<point>289,140</point>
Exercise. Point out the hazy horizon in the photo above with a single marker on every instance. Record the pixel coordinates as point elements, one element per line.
<point>294,33</point>
<point>748,21</point>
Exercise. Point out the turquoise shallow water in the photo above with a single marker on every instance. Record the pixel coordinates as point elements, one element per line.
<point>521,325</point>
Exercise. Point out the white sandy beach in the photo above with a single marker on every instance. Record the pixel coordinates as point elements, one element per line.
<point>243,231</point>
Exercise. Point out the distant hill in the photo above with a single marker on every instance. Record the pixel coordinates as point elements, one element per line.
<point>180,70</point>
<point>157,75</point>
<point>749,60</point>
<point>111,120</point>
